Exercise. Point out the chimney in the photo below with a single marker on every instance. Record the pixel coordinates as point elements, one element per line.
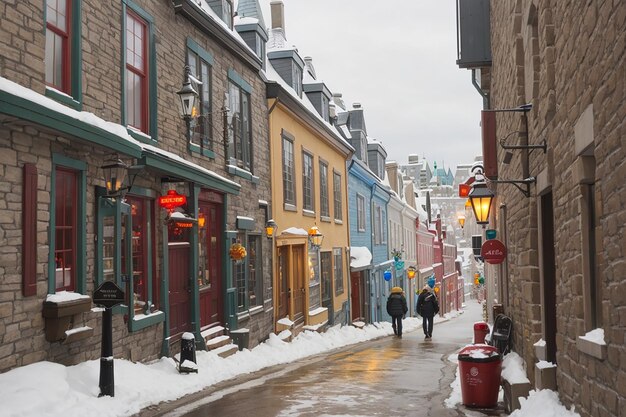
<point>392,174</point>
<point>339,101</point>
<point>278,14</point>
<point>356,105</point>
<point>332,111</point>
<point>308,65</point>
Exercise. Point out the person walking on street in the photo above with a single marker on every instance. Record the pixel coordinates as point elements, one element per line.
<point>396,308</point>
<point>427,306</point>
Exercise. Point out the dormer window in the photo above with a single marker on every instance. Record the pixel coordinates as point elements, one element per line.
<point>228,13</point>
<point>296,76</point>
<point>325,104</point>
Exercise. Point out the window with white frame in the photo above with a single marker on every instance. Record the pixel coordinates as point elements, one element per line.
<point>360,212</point>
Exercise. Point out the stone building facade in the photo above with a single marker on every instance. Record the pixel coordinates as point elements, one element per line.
<point>563,282</point>
<point>63,120</point>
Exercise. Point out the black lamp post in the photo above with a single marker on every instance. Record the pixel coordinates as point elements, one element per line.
<point>187,100</point>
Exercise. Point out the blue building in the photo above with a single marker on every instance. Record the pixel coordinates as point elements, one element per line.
<point>367,204</point>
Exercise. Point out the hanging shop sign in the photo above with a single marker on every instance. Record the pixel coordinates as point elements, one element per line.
<point>493,251</point>
<point>172,200</point>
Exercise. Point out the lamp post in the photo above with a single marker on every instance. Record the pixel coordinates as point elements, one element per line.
<point>481,198</point>
<point>187,100</point>
<point>461,220</point>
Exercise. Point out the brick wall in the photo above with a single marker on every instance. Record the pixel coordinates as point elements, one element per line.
<point>571,59</point>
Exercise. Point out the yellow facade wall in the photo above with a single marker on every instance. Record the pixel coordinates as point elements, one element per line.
<point>336,233</point>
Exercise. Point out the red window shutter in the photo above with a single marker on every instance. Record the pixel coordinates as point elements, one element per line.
<point>29,231</point>
<point>490,155</point>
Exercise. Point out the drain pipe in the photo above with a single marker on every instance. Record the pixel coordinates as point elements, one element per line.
<point>485,96</point>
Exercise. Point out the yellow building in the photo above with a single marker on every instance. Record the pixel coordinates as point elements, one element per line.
<point>309,190</point>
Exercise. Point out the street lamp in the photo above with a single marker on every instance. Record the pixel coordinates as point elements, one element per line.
<point>462,220</point>
<point>315,237</point>
<point>481,198</point>
<point>114,175</point>
<point>187,99</point>
<point>270,228</point>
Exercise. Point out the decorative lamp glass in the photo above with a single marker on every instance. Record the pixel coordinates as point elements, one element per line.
<point>481,198</point>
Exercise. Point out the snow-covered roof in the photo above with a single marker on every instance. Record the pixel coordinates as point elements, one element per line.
<point>360,256</point>
<point>295,231</point>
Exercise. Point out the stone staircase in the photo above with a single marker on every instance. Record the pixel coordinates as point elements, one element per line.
<point>218,342</point>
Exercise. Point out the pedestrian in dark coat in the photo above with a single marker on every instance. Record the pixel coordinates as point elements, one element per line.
<point>397,308</point>
<point>427,306</point>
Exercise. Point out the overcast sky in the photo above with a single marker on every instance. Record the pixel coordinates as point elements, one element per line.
<point>398,59</point>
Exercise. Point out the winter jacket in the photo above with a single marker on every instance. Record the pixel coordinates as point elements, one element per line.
<point>396,304</point>
<point>427,305</point>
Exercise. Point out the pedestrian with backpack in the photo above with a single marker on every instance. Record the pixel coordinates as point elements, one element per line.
<point>397,308</point>
<point>427,306</point>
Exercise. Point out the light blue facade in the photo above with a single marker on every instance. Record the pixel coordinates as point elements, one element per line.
<point>363,182</point>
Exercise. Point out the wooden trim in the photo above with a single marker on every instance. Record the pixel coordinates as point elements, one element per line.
<point>29,230</point>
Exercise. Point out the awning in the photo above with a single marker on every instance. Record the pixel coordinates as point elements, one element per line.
<point>360,258</point>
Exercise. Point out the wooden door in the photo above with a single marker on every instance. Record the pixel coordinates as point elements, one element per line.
<point>298,280</point>
<point>179,296</point>
<point>210,229</point>
<point>283,282</point>
<point>355,295</point>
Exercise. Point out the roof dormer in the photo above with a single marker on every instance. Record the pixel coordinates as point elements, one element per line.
<point>250,25</point>
<point>316,91</point>
<point>283,57</point>
<point>224,9</point>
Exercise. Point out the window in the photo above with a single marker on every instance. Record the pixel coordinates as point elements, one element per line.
<point>65,236</point>
<point>324,204</point>
<point>592,285</point>
<point>296,75</point>
<point>141,210</point>
<point>337,196</point>
<point>379,229</point>
<point>249,274</point>
<point>289,196</point>
<point>360,212</point>
<point>239,126</point>
<point>228,13</point>
<point>326,269</point>
<point>58,32</point>
<point>308,199</point>
<point>325,104</point>
<point>201,126</point>
<point>136,97</point>
<point>338,269</point>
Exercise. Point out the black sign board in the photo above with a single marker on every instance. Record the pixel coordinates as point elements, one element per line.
<point>108,294</point>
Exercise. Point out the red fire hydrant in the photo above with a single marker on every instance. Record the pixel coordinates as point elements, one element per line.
<point>481,329</point>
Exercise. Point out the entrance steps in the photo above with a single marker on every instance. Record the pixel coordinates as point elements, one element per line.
<point>218,342</point>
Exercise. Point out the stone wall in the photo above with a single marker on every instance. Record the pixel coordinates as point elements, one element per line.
<point>22,46</point>
<point>565,57</point>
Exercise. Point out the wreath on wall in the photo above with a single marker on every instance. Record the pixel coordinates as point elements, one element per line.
<point>237,252</point>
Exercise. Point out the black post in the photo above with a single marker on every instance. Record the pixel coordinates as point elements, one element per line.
<point>107,386</point>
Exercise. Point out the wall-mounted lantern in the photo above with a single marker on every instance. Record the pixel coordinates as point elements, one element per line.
<point>481,198</point>
<point>461,220</point>
<point>410,272</point>
<point>315,237</point>
<point>270,228</point>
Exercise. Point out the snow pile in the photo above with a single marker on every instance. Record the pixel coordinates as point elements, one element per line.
<point>595,336</point>
<point>513,369</point>
<point>544,403</point>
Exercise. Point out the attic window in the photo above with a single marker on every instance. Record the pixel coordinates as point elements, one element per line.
<point>228,13</point>
<point>296,76</point>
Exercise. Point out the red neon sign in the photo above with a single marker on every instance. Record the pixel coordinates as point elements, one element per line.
<point>172,200</point>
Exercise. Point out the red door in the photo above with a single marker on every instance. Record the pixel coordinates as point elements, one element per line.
<point>355,280</point>
<point>179,287</point>
<point>210,263</point>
